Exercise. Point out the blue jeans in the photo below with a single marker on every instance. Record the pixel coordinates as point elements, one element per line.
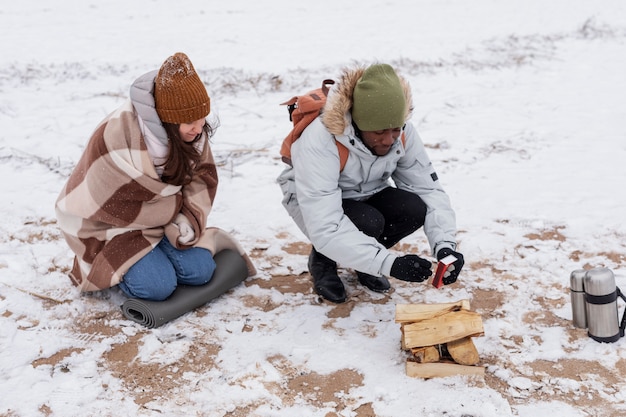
<point>156,275</point>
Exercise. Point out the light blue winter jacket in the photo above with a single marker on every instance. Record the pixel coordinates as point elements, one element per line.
<point>314,188</point>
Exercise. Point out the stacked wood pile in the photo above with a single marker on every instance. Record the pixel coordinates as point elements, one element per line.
<point>439,338</point>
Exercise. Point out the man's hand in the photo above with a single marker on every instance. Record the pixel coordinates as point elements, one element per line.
<point>452,273</point>
<point>411,268</point>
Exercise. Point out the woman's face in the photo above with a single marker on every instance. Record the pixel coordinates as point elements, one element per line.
<point>189,131</point>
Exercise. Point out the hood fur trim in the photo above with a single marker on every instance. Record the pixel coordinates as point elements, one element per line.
<point>339,103</point>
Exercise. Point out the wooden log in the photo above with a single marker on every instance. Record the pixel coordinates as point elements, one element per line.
<point>403,345</point>
<point>441,369</point>
<point>426,354</point>
<point>442,329</point>
<point>406,313</point>
<point>463,351</point>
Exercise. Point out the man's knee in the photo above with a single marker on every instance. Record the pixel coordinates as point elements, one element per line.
<point>418,210</point>
<point>366,218</point>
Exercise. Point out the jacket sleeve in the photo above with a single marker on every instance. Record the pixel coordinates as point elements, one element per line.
<point>415,173</point>
<point>316,166</point>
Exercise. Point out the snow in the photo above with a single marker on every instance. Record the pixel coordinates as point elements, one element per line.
<point>521,104</point>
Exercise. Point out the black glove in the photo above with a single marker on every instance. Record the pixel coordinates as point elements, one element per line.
<point>411,268</point>
<point>452,273</point>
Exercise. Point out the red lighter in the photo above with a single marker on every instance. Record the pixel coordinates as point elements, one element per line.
<point>442,267</point>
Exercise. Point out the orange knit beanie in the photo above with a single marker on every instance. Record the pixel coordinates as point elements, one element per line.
<point>179,94</point>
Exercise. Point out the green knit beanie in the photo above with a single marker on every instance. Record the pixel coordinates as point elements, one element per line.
<point>378,99</point>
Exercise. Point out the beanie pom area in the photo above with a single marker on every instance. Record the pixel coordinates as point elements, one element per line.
<point>179,94</point>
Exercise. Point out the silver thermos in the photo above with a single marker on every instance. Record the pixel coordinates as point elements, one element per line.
<point>577,294</point>
<point>601,301</point>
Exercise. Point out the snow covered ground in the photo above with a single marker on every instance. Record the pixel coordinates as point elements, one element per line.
<point>521,104</point>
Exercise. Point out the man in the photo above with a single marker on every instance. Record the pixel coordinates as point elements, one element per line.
<point>387,189</point>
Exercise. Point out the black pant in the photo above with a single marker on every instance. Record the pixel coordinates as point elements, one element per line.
<point>387,216</point>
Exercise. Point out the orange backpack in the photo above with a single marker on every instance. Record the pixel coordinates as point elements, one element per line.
<point>302,111</point>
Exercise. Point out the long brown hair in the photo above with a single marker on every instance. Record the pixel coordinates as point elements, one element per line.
<point>183,156</point>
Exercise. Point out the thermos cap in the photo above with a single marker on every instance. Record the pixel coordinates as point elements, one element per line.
<point>599,281</point>
<point>577,280</point>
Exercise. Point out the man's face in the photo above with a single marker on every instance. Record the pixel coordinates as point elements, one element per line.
<point>379,142</point>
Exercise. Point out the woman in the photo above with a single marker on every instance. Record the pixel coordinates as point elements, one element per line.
<point>134,210</point>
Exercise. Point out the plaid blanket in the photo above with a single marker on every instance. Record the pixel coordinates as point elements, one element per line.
<point>114,208</point>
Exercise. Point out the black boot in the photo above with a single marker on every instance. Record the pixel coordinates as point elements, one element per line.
<point>325,279</point>
<point>377,284</point>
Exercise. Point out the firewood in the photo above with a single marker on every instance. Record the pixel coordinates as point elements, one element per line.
<point>442,329</point>
<point>426,354</point>
<point>402,343</point>
<point>441,369</point>
<point>463,351</point>
<point>415,312</point>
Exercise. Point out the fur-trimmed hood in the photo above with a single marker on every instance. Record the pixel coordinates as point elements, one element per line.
<point>336,115</point>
